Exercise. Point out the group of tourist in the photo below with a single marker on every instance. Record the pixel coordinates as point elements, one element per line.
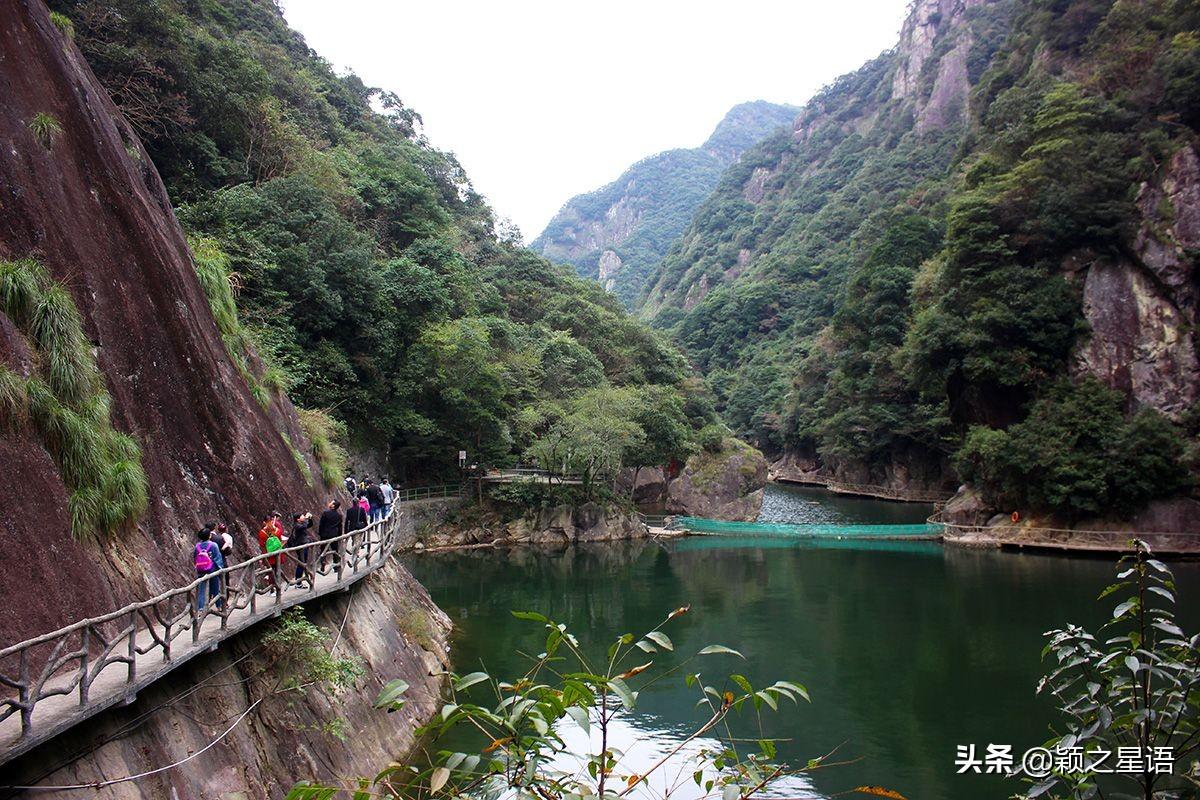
<point>369,502</point>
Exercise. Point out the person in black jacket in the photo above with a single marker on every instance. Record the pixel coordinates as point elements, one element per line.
<point>301,535</point>
<point>329,527</point>
<point>356,518</point>
<point>375,500</point>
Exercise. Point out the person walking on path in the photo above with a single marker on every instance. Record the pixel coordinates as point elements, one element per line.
<point>329,527</point>
<point>351,485</point>
<point>206,557</point>
<point>389,496</point>
<point>301,535</point>
<point>363,504</point>
<point>375,501</point>
<point>269,541</point>
<point>356,518</point>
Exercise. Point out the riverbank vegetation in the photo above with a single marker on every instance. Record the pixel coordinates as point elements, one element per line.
<point>355,258</point>
<point>521,723</point>
<point>1136,689</point>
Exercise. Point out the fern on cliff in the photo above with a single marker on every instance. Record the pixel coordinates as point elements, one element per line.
<point>66,402</point>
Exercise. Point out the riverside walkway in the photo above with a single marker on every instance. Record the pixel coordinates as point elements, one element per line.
<point>55,681</point>
<point>861,489</point>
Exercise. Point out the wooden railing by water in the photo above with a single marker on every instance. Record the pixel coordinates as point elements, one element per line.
<point>1018,534</point>
<point>54,681</point>
<point>867,489</point>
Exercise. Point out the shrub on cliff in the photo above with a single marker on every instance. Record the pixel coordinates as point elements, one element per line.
<point>1076,455</point>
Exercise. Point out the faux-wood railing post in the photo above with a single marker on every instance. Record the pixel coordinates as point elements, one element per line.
<point>196,613</point>
<point>23,694</point>
<point>132,648</point>
<point>84,649</point>
<point>225,601</point>
<point>339,552</point>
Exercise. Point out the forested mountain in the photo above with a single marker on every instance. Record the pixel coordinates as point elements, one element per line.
<point>353,256</point>
<point>975,257</point>
<point>617,233</point>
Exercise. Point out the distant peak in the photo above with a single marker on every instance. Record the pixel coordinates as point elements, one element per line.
<point>745,124</point>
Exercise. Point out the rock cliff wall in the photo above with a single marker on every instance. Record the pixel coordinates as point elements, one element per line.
<point>82,198</point>
<point>91,208</point>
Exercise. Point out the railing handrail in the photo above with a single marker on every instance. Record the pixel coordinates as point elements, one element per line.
<point>170,593</point>
<point>1018,527</point>
<point>918,495</point>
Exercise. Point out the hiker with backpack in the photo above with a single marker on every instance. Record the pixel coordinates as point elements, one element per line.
<point>207,559</point>
<point>269,541</point>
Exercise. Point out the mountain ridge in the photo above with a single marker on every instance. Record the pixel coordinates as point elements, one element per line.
<point>615,234</point>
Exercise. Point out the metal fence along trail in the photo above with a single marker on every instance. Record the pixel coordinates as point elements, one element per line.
<point>54,681</point>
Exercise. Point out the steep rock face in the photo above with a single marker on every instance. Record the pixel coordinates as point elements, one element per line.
<point>92,209</point>
<point>946,100</point>
<point>630,223</point>
<point>1142,314</point>
<point>387,621</point>
<point>725,485</point>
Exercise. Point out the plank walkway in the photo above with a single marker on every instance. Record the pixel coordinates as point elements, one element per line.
<point>52,682</point>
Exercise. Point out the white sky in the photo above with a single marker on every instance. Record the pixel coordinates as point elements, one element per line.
<point>544,99</point>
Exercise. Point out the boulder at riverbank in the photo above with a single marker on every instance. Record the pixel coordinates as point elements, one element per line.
<point>727,484</point>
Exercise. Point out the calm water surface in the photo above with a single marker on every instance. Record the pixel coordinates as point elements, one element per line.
<point>908,649</point>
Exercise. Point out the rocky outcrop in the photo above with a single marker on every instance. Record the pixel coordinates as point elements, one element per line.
<point>1142,313</point>
<point>610,268</point>
<point>945,99</point>
<point>387,622</point>
<point>558,525</point>
<point>724,485</point>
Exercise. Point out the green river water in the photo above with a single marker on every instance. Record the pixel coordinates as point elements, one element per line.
<point>908,649</point>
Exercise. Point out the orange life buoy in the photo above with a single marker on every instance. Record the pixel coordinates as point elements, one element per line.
<point>1016,516</point>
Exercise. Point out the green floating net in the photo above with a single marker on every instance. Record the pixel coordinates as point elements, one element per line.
<point>720,527</point>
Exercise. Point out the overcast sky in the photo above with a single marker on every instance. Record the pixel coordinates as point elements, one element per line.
<point>544,99</point>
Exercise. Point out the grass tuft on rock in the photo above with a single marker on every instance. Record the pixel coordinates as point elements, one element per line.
<point>66,402</point>
<point>45,129</point>
<point>325,432</point>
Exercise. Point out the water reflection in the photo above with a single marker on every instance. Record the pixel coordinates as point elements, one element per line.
<point>808,505</point>
<point>908,649</point>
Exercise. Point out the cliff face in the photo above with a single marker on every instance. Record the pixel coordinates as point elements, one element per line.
<point>1141,307</point>
<point>86,203</point>
<point>617,233</point>
<point>91,208</point>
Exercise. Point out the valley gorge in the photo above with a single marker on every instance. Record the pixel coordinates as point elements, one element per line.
<point>951,299</point>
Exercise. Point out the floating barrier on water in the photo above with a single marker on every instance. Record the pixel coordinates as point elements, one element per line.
<point>724,528</point>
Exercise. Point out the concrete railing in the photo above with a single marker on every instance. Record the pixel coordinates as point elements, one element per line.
<point>869,489</point>
<point>51,682</point>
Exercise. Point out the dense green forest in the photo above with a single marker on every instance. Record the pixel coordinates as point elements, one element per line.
<point>903,298</point>
<point>351,264</point>
<point>639,215</point>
